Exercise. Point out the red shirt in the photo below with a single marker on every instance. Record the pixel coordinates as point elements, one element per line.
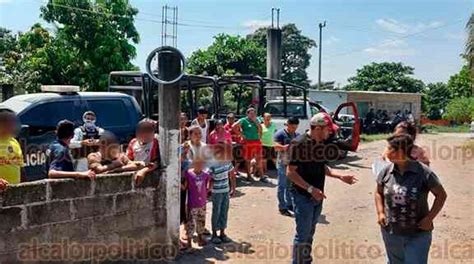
<point>215,138</point>
<point>235,135</point>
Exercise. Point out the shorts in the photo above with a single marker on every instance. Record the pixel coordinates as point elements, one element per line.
<point>269,153</point>
<point>237,152</point>
<point>251,149</point>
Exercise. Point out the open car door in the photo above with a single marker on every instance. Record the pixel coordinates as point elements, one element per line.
<point>349,125</point>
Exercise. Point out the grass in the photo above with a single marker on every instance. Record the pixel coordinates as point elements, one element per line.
<point>373,137</point>
<point>446,129</point>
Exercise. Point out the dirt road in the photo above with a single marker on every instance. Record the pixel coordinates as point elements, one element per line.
<point>347,232</point>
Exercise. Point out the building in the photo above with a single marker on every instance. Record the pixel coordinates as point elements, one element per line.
<point>365,100</point>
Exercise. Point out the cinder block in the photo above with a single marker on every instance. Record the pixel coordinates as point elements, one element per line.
<point>73,231</point>
<point>69,188</point>
<point>93,206</point>
<point>133,201</point>
<point>113,183</point>
<point>24,193</point>
<point>50,212</point>
<point>10,218</point>
<point>151,180</point>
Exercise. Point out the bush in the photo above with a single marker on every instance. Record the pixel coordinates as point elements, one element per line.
<point>460,110</point>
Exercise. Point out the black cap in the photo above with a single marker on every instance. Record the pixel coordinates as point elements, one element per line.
<point>293,121</point>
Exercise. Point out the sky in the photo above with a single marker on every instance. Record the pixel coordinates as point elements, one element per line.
<point>428,35</point>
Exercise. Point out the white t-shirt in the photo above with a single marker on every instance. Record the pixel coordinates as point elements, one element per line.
<point>204,130</point>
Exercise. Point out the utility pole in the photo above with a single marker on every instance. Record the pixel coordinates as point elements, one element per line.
<point>274,52</point>
<point>321,26</point>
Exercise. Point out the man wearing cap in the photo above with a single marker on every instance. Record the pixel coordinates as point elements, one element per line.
<point>202,122</point>
<point>307,169</point>
<point>85,140</point>
<point>282,139</point>
<point>252,145</point>
<point>59,161</point>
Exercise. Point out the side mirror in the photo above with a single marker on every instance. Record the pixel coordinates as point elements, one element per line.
<point>24,131</point>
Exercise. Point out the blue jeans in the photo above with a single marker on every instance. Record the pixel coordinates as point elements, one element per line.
<point>283,193</point>
<point>407,249</point>
<point>307,211</point>
<point>220,209</point>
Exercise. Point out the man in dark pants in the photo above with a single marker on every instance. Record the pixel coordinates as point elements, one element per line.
<point>309,155</point>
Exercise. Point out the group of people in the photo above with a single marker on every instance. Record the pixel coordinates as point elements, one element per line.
<point>210,162</point>
<point>81,152</point>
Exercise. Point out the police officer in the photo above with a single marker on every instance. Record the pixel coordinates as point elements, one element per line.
<point>85,140</point>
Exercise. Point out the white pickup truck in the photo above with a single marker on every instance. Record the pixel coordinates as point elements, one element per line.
<point>349,125</point>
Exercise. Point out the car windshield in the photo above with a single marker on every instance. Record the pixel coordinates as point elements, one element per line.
<point>277,109</point>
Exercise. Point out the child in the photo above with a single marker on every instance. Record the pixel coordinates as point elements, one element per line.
<point>109,158</point>
<point>197,183</point>
<point>144,148</point>
<point>11,157</point>
<point>221,171</point>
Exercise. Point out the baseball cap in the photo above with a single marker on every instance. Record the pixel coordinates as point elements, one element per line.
<point>323,119</point>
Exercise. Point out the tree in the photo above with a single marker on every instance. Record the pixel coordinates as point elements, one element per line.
<point>93,37</point>
<point>460,110</point>
<point>387,77</point>
<point>228,53</point>
<point>26,62</point>
<point>436,97</point>
<point>460,84</point>
<point>295,52</point>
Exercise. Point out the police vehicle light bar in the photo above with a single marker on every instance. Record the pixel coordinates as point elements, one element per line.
<point>60,88</point>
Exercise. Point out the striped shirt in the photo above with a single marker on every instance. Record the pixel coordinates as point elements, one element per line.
<point>220,176</point>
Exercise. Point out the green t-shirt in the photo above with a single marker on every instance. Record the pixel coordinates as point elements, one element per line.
<point>267,134</point>
<point>249,129</point>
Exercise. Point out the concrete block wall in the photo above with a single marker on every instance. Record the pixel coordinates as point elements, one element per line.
<point>70,221</point>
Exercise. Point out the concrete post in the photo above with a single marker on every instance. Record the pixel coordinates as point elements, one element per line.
<point>169,109</point>
<point>274,54</point>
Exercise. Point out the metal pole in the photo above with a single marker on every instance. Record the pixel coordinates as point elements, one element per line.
<point>321,25</point>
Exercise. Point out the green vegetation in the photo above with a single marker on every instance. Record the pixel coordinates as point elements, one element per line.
<point>386,77</point>
<point>446,129</point>
<point>90,39</point>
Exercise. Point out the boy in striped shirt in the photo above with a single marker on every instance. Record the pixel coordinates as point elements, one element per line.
<point>223,186</point>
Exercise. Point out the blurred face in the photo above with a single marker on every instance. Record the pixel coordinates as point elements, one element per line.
<point>320,133</point>
<point>231,119</point>
<point>291,128</point>
<point>195,135</point>
<point>267,119</point>
<point>198,164</point>
<point>183,120</point>
<point>146,134</point>
<point>7,124</point>
<point>394,155</point>
<point>252,115</point>
<point>222,152</point>
<point>90,118</point>
<point>202,115</point>
<point>220,127</point>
